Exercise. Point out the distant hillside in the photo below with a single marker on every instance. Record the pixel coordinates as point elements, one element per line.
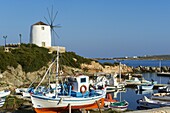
<point>153,57</point>
<point>157,57</point>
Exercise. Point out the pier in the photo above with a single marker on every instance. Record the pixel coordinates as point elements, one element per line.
<point>135,85</point>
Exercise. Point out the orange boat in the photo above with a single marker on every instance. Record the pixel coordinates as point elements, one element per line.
<point>108,100</point>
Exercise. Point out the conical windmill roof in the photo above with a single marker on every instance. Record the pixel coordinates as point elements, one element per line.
<point>40,23</point>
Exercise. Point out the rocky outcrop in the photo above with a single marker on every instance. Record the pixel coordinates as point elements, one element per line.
<point>97,67</point>
<point>15,77</point>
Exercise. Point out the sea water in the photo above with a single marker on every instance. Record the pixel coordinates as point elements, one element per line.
<point>132,95</point>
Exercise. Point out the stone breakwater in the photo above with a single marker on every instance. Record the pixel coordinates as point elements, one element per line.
<point>150,69</point>
<point>95,67</point>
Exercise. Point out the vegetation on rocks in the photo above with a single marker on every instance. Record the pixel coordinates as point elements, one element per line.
<point>111,64</point>
<point>73,60</point>
<point>32,58</point>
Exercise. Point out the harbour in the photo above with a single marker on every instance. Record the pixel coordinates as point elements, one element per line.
<point>106,59</point>
<point>130,93</point>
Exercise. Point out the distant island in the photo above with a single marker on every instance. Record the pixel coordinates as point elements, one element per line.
<point>147,57</point>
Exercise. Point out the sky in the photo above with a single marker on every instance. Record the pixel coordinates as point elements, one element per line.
<point>94,28</point>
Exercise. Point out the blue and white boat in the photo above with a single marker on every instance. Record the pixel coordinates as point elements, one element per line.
<point>3,95</point>
<point>74,94</point>
<point>150,103</point>
<point>145,87</point>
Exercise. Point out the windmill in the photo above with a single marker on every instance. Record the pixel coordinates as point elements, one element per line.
<point>52,16</point>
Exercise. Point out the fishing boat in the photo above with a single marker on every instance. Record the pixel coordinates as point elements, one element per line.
<point>119,106</point>
<point>133,80</point>
<point>161,96</point>
<point>164,89</point>
<point>150,103</point>
<point>109,81</point>
<point>162,73</point>
<point>74,94</point>
<point>20,90</point>
<point>115,105</point>
<point>143,92</point>
<point>3,95</point>
<point>145,87</point>
<point>108,100</point>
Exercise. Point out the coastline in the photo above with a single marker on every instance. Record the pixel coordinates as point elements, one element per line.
<point>153,57</point>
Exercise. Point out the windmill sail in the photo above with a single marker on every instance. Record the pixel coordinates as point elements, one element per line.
<point>52,16</point>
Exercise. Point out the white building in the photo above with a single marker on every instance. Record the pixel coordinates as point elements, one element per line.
<point>40,34</point>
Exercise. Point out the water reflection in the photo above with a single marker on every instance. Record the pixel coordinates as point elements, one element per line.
<point>159,79</point>
<point>143,92</point>
<point>131,95</point>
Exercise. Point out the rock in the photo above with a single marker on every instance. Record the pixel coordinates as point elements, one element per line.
<point>97,67</point>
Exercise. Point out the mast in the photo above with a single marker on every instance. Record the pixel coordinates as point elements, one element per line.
<point>160,65</point>
<point>119,72</point>
<point>57,69</point>
<point>120,78</point>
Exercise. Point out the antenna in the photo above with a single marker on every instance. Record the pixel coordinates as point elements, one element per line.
<point>52,16</point>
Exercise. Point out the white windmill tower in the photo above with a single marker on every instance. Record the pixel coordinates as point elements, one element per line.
<point>41,33</point>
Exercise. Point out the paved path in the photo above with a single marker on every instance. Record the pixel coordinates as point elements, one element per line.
<point>157,110</point>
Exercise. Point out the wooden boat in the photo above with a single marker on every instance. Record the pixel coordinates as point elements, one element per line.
<point>143,92</point>
<point>77,98</point>
<point>108,81</point>
<point>164,89</point>
<point>75,94</point>
<point>145,87</point>
<point>20,90</point>
<point>119,106</point>
<point>2,101</point>
<point>161,96</point>
<point>133,80</point>
<point>108,100</point>
<point>150,103</point>
<point>3,95</point>
<point>115,105</point>
<point>163,74</point>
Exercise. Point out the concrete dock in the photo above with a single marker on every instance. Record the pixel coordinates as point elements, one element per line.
<point>156,110</point>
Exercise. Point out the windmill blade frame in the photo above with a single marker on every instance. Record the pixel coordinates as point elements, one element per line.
<point>50,22</point>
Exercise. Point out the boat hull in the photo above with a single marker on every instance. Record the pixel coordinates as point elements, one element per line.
<point>163,74</point>
<point>58,109</point>
<point>44,104</point>
<point>4,93</point>
<point>145,87</point>
<point>153,103</point>
<point>120,108</point>
<point>2,102</point>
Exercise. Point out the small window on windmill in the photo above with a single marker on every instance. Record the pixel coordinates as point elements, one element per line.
<point>42,28</point>
<point>43,44</point>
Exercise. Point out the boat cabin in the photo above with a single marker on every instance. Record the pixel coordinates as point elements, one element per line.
<point>80,85</point>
